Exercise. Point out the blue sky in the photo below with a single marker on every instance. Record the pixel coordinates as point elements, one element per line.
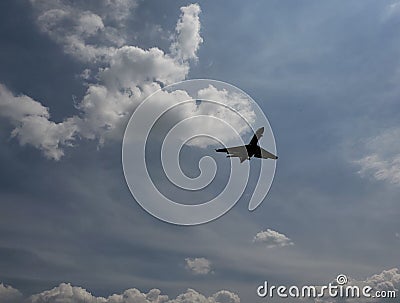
<point>325,74</point>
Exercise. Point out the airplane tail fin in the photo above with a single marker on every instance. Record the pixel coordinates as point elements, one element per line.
<point>257,136</point>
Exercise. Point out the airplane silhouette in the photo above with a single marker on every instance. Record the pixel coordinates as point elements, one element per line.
<point>245,152</point>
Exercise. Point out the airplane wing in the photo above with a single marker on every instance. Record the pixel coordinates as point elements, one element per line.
<point>265,154</point>
<point>236,151</point>
<point>257,136</point>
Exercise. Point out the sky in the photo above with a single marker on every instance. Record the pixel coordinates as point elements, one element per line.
<point>71,74</point>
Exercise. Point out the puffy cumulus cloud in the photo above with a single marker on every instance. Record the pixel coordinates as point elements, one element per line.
<point>71,27</point>
<point>210,110</point>
<point>125,76</point>
<point>236,109</point>
<point>76,25</point>
<point>18,107</point>
<point>384,282</point>
<point>188,37</point>
<point>46,135</point>
<point>9,294</point>
<point>225,296</point>
<point>109,10</point>
<point>71,24</point>
<point>191,295</point>
<point>198,266</point>
<point>116,10</point>
<point>272,238</point>
<point>70,294</point>
<point>89,24</point>
<point>32,124</point>
<point>131,66</point>
<point>66,293</point>
<point>382,157</point>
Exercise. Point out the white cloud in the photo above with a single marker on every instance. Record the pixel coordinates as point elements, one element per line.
<point>116,10</point>
<point>188,37</point>
<point>198,266</point>
<point>32,124</point>
<point>382,157</point>
<point>9,294</point>
<point>106,107</point>
<point>233,104</point>
<point>67,293</point>
<point>387,280</point>
<point>125,76</point>
<point>18,107</point>
<point>380,169</point>
<point>132,66</point>
<point>71,24</point>
<point>190,296</point>
<point>89,24</point>
<point>272,238</point>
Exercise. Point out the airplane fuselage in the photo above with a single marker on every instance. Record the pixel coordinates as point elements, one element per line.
<point>251,149</point>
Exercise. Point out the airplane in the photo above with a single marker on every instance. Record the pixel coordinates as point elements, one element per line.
<point>245,152</point>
